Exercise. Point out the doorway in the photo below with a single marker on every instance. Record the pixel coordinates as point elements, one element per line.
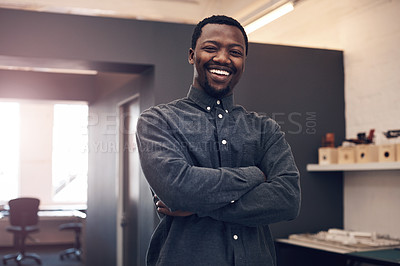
<point>128,250</point>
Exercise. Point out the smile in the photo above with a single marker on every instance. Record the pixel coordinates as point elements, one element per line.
<point>219,72</point>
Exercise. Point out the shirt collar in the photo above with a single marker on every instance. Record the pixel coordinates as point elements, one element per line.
<point>208,102</point>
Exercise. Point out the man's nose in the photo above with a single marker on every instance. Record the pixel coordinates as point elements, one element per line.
<point>222,57</point>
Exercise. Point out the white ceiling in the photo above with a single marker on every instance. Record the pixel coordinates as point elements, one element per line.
<point>180,11</point>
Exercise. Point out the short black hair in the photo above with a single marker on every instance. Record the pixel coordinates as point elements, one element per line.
<point>218,19</point>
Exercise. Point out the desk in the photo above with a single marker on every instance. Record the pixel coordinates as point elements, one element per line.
<point>57,214</point>
<point>388,257</point>
<point>49,221</point>
<point>297,253</point>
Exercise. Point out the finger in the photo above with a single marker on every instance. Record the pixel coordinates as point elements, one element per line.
<point>164,211</point>
<point>161,204</point>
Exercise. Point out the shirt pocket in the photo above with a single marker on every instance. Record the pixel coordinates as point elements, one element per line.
<point>246,152</point>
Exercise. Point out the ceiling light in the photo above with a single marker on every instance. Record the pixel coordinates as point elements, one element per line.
<point>269,17</point>
<point>51,70</point>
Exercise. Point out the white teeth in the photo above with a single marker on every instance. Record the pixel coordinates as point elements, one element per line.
<point>219,72</point>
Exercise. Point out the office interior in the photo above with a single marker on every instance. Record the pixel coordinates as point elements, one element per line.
<point>327,66</point>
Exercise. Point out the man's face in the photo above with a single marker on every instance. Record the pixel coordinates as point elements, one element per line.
<point>218,59</point>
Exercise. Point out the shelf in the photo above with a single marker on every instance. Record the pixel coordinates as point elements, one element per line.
<point>353,167</point>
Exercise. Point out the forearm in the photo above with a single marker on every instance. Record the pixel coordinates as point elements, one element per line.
<point>270,202</point>
<point>198,189</point>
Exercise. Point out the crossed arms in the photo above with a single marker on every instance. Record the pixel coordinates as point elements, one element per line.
<point>250,195</point>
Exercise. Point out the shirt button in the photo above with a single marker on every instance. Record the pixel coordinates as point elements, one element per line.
<point>235,237</point>
<point>232,201</point>
<point>224,141</point>
<point>218,102</point>
<point>220,116</point>
<point>208,108</point>
<point>226,111</point>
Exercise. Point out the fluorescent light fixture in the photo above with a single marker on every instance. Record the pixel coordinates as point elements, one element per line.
<point>51,70</point>
<point>269,17</point>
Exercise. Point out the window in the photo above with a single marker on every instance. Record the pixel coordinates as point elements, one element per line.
<point>70,155</point>
<point>43,152</point>
<point>9,150</point>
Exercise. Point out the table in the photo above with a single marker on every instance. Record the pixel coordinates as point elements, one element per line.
<point>298,253</point>
<point>49,221</point>
<point>388,257</point>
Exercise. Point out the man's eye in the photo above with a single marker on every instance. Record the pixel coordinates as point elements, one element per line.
<point>236,53</point>
<point>210,49</point>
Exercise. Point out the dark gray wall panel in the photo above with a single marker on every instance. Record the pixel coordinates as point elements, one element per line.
<point>303,89</point>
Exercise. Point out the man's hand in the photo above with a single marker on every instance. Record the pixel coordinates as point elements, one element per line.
<point>162,208</point>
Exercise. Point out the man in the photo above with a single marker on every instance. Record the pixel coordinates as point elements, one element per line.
<point>220,174</point>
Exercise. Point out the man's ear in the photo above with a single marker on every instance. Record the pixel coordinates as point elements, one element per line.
<point>191,56</point>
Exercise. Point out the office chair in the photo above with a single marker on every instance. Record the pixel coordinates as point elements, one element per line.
<point>76,250</point>
<point>23,221</point>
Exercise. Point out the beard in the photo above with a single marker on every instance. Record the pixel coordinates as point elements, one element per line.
<point>221,93</point>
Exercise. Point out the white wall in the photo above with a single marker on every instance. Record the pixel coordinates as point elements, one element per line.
<point>368,31</point>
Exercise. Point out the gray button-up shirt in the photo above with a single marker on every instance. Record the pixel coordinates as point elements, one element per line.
<point>232,168</point>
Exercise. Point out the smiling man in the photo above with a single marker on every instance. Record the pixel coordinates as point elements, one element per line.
<point>219,174</point>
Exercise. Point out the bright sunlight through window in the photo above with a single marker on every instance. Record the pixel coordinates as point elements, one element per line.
<point>70,155</point>
<point>9,150</point>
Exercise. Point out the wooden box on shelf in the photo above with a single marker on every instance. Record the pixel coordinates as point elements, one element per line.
<point>346,154</point>
<point>366,153</point>
<point>327,155</point>
<point>387,153</point>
